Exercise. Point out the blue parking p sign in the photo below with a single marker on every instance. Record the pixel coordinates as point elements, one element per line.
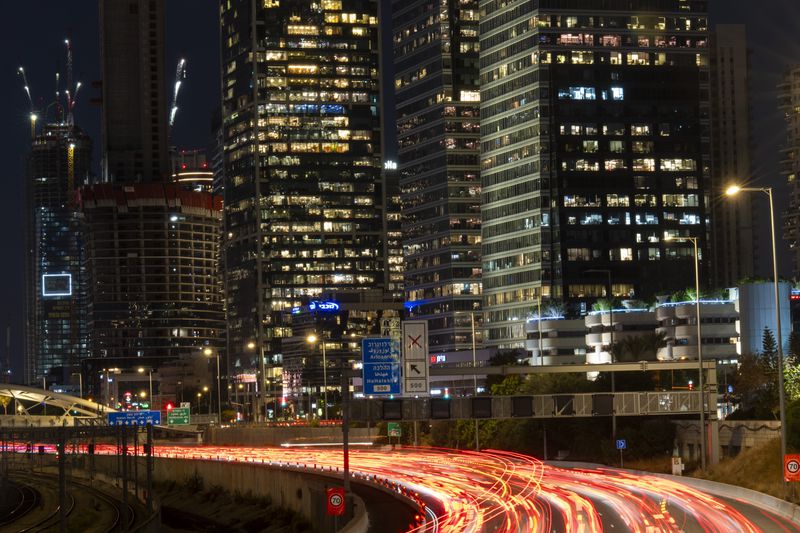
<point>622,444</point>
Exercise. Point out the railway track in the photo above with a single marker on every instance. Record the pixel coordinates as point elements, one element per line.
<point>78,493</point>
<point>28,500</point>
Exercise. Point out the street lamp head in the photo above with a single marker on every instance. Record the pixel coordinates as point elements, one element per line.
<point>205,389</point>
<point>207,352</point>
<point>251,345</point>
<point>140,370</point>
<point>732,190</point>
<point>312,338</point>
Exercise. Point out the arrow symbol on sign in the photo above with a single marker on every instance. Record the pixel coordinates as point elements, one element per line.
<point>414,368</point>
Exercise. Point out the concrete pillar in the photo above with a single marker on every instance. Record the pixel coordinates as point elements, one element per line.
<point>713,442</point>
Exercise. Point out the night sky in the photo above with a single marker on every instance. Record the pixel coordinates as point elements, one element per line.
<point>34,35</point>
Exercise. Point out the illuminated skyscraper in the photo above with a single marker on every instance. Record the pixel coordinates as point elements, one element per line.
<point>596,145</point>
<point>304,205</point>
<point>438,130</point>
<point>789,99</point>
<point>56,334</point>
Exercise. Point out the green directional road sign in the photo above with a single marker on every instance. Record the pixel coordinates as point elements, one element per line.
<point>394,429</point>
<point>178,416</point>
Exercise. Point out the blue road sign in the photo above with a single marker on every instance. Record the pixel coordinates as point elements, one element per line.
<point>381,362</point>
<point>622,444</point>
<point>134,418</point>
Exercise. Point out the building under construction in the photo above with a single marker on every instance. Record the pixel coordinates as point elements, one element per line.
<point>56,335</point>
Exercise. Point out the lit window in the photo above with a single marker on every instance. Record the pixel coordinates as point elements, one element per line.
<point>614,164</point>
<point>577,93</point>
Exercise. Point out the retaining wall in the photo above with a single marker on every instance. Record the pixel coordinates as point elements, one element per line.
<point>300,492</point>
<point>275,436</point>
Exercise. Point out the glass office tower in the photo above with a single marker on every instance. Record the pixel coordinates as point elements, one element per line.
<point>304,207</point>
<point>438,131</point>
<point>595,135</point>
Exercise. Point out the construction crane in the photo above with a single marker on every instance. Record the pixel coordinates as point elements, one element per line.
<point>71,94</point>
<point>33,116</point>
<point>180,75</point>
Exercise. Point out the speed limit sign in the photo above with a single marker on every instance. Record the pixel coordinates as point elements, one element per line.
<point>791,467</point>
<point>335,497</point>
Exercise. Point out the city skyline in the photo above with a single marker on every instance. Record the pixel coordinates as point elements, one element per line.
<point>177,21</point>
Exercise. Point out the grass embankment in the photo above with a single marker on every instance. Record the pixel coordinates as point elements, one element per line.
<point>756,469</point>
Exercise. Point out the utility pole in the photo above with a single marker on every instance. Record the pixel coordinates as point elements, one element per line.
<point>474,381</point>
<point>149,455</point>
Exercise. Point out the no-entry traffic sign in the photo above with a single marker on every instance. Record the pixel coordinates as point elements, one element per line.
<point>335,498</point>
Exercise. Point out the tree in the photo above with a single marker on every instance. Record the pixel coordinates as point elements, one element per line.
<point>4,401</point>
<point>794,345</point>
<point>756,387</point>
<point>769,348</point>
<point>791,378</point>
<point>503,358</point>
<point>639,347</point>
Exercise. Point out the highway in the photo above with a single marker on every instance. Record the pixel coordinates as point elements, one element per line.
<point>498,491</point>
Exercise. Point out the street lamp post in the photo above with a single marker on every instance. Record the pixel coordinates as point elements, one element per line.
<point>312,339</point>
<point>150,379</point>
<point>208,352</point>
<point>731,191</point>
<point>610,342</point>
<point>261,377</point>
<point>205,389</point>
<point>701,377</point>
<point>475,379</point>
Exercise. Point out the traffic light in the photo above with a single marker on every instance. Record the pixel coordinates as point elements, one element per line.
<point>169,406</point>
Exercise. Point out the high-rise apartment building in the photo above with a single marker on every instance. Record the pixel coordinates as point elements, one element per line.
<point>135,144</point>
<point>789,102</point>
<point>438,131</point>
<point>733,247</point>
<point>56,334</point>
<point>596,144</point>
<point>304,205</point>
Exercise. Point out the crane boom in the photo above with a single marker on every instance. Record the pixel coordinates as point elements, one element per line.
<point>180,75</point>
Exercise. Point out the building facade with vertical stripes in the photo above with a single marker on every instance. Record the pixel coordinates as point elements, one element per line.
<point>595,135</point>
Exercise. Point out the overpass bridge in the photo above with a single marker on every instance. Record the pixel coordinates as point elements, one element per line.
<point>557,405</point>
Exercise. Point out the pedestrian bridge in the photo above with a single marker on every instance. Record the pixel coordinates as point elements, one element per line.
<point>19,400</point>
